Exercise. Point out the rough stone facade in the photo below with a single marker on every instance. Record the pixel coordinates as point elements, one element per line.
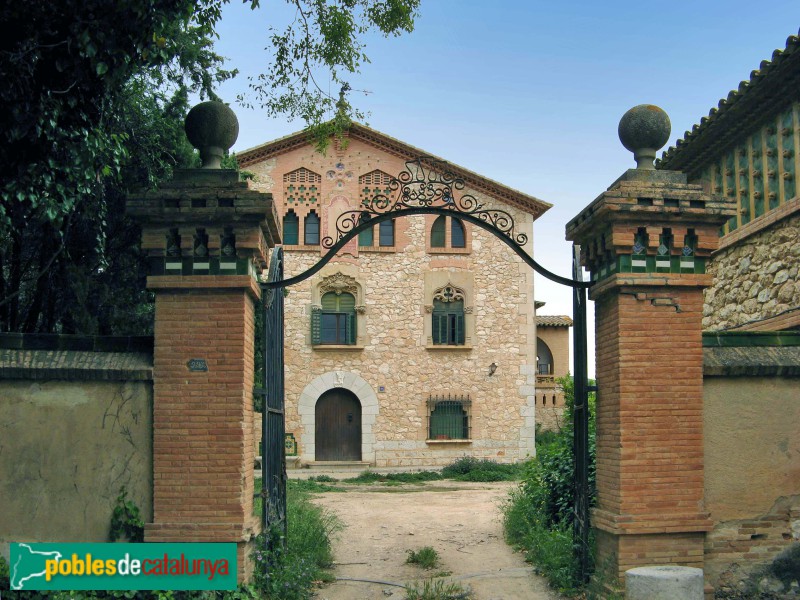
<point>756,283</point>
<point>393,368</point>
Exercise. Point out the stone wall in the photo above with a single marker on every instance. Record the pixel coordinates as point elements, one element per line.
<point>393,368</point>
<point>752,457</point>
<point>756,283</point>
<point>75,426</point>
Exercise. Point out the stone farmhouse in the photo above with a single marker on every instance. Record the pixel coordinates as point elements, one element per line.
<point>418,343</point>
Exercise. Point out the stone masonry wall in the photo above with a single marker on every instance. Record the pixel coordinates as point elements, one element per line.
<point>756,278</point>
<point>393,360</point>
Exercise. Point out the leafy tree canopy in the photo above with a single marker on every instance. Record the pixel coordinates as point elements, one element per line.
<point>92,106</point>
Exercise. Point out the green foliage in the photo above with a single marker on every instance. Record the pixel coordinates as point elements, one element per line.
<point>324,39</point>
<point>436,589</point>
<point>468,468</point>
<point>126,521</point>
<point>539,515</point>
<point>426,557</point>
<point>5,575</point>
<point>93,108</point>
<point>288,572</point>
<point>409,477</point>
<point>786,566</point>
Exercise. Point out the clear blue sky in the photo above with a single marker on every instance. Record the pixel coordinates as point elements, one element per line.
<point>530,93</point>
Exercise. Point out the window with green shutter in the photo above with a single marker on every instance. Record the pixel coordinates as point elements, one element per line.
<point>366,238</point>
<point>291,229</point>
<point>311,229</point>
<point>336,322</point>
<point>458,238</point>
<point>438,231</point>
<point>448,322</point>
<point>448,417</point>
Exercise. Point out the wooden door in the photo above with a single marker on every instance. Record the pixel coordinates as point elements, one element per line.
<point>338,426</point>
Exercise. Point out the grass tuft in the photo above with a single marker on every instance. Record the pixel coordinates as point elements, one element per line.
<point>426,557</point>
<point>436,589</point>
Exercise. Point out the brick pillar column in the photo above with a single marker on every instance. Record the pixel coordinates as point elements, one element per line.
<point>205,235</point>
<point>646,241</point>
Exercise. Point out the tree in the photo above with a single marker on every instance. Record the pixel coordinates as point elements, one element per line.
<point>92,107</point>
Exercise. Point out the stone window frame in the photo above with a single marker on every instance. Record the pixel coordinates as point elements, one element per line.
<point>447,249</point>
<point>436,281</point>
<point>339,279</point>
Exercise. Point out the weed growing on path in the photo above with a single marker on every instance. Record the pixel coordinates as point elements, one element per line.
<point>426,557</point>
<point>437,589</point>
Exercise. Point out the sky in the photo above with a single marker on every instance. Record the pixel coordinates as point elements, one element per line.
<point>530,93</point>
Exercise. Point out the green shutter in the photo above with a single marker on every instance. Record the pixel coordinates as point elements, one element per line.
<point>365,238</point>
<point>460,328</point>
<point>350,328</point>
<point>439,328</point>
<point>316,317</point>
<point>437,232</point>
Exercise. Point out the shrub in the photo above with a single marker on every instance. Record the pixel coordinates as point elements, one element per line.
<point>288,571</point>
<point>469,468</point>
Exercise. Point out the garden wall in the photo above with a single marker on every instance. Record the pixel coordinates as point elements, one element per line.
<point>752,451</point>
<point>75,426</point>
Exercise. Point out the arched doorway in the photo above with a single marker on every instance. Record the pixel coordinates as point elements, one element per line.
<point>337,435</point>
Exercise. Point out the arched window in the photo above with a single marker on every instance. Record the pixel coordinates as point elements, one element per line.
<point>458,238</point>
<point>386,233</point>
<point>544,358</point>
<point>438,232</point>
<point>311,229</point>
<point>447,325</point>
<point>336,322</point>
<point>291,229</point>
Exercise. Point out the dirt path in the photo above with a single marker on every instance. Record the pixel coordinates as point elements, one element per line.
<point>460,520</point>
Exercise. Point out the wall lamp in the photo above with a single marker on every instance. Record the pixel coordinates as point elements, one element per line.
<point>492,369</point>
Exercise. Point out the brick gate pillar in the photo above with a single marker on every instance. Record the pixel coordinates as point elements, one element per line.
<point>206,236</point>
<point>646,241</point>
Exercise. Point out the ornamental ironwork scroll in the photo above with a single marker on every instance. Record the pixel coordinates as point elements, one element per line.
<point>426,183</point>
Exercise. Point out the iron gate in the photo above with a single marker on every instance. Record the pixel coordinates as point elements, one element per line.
<point>273,452</point>
<point>427,186</point>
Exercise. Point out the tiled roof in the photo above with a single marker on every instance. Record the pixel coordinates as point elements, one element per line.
<point>772,86</point>
<point>553,321</point>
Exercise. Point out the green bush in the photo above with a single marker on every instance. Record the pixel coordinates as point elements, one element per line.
<point>539,515</point>
<point>287,571</point>
<point>469,468</point>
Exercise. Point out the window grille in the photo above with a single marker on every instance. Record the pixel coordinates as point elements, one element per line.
<point>448,417</point>
<point>374,183</point>
<point>301,187</point>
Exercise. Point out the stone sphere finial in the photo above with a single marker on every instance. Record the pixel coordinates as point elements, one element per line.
<point>643,130</point>
<point>212,128</point>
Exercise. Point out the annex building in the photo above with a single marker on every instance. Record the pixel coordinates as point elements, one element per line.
<point>418,343</point>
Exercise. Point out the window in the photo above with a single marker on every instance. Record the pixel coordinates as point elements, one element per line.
<point>458,238</point>
<point>444,236</point>
<point>386,233</point>
<point>291,229</point>
<point>335,323</point>
<point>448,417</point>
<point>311,229</point>
<point>366,238</point>
<point>447,321</point>
<point>438,231</point>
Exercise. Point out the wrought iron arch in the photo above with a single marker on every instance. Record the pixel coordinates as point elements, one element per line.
<point>430,186</point>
